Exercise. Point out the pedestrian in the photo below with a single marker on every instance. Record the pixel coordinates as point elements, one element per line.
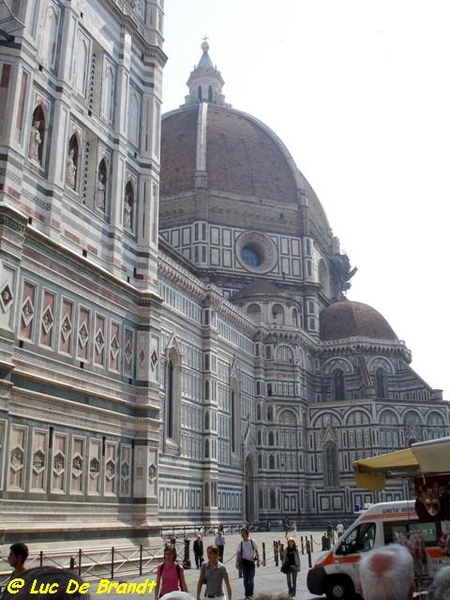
<point>339,529</point>
<point>291,566</point>
<point>219,541</point>
<point>214,574</point>
<point>169,574</point>
<point>325,541</point>
<point>197,547</point>
<point>18,554</point>
<point>440,586</point>
<point>246,556</point>
<point>47,582</point>
<point>387,573</point>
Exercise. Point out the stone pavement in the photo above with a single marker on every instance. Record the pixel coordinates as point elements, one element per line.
<point>268,579</point>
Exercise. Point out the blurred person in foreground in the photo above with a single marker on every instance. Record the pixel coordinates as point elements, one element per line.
<point>440,586</point>
<point>387,573</point>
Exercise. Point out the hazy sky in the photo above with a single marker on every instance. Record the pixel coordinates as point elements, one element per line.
<point>359,91</point>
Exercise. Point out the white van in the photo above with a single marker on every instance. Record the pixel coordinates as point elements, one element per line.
<point>336,571</point>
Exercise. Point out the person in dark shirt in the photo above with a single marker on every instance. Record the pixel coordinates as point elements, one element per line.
<point>197,547</point>
<point>291,566</point>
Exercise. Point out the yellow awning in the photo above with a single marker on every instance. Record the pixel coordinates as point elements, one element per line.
<point>424,457</point>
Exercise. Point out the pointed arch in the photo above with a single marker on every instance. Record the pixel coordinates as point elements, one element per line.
<point>72,162</point>
<point>108,92</point>
<point>129,208</point>
<point>102,185</point>
<point>133,119</point>
<point>37,135</point>
<point>172,395</point>
<point>278,314</point>
<point>50,35</point>
<point>330,465</point>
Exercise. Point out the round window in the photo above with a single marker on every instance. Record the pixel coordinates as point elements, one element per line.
<point>256,252</point>
<point>252,255</point>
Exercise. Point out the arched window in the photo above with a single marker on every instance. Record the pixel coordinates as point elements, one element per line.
<point>284,354</point>
<point>82,71</point>
<point>210,94</point>
<point>271,462</point>
<point>338,385</point>
<point>258,412</point>
<point>270,413</point>
<point>207,420</point>
<point>259,461</point>
<point>37,135</point>
<point>128,209</point>
<point>381,383</point>
<point>330,465</point>
<point>206,448</point>
<point>261,498</point>
<point>50,35</point>
<point>271,438</point>
<point>295,317</point>
<point>108,93</point>
<point>172,396</point>
<point>72,163</point>
<point>259,438</point>
<point>206,494</point>
<point>199,93</point>
<point>278,314</point>
<point>254,312</point>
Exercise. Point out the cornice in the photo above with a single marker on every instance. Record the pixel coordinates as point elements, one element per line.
<point>363,345</point>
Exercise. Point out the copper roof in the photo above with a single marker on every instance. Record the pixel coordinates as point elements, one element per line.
<point>242,156</point>
<point>346,319</point>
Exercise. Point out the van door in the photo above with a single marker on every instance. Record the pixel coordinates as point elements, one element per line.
<point>343,579</point>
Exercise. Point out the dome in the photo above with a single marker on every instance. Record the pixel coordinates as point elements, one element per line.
<point>242,156</point>
<point>346,319</point>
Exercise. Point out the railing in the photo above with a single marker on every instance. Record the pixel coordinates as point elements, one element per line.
<point>116,562</point>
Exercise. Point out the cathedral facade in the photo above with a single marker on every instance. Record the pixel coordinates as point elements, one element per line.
<point>176,345</point>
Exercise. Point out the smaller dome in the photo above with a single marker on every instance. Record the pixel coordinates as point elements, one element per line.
<point>346,319</point>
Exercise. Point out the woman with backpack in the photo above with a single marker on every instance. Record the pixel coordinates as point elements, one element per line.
<point>169,574</point>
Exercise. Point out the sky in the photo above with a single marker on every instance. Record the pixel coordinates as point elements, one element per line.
<point>359,92</point>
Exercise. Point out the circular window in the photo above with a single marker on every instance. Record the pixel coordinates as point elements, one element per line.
<point>256,252</point>
<point>252,255</point>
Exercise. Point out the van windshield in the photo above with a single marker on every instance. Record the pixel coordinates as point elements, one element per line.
<point>360,539</point>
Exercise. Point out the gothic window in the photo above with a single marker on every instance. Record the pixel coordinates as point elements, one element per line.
<point>108,92</point>
<point>295,317</point>
<point>210,94</point>
<point>270,413</point>
<point>258,412</point>
<point>37,135</point>
<point>128,209</point>
<point>133,118</point>
<point>199,93</point>
<point>233,421</point>
<point>173,395</point>
<point>259,461</point>
<point>260,498</point>
<point>50,35</point>
<point>206,448</point>
<point>206,494</point>
<point>271,438</point>
<point>381,383</point>
<point>207,420</point>
<point>271,462</point>
<point>330,465</point>
<point>338,385</point>
<point>82,58</point>
<point>259,438</point>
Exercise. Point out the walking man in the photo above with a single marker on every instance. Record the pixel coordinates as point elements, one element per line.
<point>246,556</point>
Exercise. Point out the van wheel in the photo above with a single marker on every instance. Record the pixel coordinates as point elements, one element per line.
<point>340,588</point>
